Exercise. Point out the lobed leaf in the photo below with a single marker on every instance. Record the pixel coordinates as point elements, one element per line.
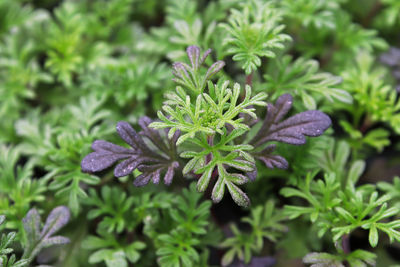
<point>152,163</point>
<point>38,239</point>
<point>293,130</point>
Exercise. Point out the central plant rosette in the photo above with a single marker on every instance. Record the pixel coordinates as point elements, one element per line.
<point>207,124</point>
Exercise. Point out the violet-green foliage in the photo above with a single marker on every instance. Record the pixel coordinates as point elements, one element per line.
<point>140,156</point>
<point>200,116</point>
<point>392,59</point>
<point>37,237</point>
<point>292,98</point>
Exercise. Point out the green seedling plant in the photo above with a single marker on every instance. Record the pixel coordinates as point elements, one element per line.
<point>210,120</point>
<point>176,133</point>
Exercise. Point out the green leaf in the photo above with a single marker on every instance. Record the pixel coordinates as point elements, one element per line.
<point>373,235</point>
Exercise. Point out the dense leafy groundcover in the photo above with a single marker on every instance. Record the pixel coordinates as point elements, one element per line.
<point>199,133</point>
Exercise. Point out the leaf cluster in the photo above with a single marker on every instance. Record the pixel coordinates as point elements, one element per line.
<point>336,205</point>
<point>37,237</point>
<point>265,222</point>
<point>253,32</point>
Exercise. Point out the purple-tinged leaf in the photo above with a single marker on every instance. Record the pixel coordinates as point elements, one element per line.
<point>205,55</point>
<point>292,130</point>
<point>252,175</point>
<point>152,134</point>
<point>391,58</point>
<point>127,166</point>
<point>129,135</point>
<point>38,239</point>
<point>274,161</point>
<point>151,162</point>
<point>180,70</point>
<point>31,224</point>
<point>193,53</point>
<point>56,240</point>
<point>189,76</point>
<point>105,155</point>
<point>169,175</point>
<point>214,68</point>
<point>57,218</point>
<point>279,110</point>
<point>271,161</point>
<point>142,180</point>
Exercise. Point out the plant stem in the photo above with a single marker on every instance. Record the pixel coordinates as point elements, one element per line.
<point>346,247</point>
<point>346,244</point>
<point>210,141</point>
<point>366,124</point>
<point>249,79</point>
<point>372,13</point>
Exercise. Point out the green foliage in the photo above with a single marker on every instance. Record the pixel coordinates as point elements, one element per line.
<point>126,80</point>
<point>72,70</point>
<point>37,238</point>
<point>111,251</point>
<point>114,205</point>
<point>375,101</point>
<point>205,119</point>
<point>337,205</point>
<point>265,223</point>
<point>356,258</point>
<point>206,115</point>
<point>303,78</point>
<point>18,190</point>
<point>5,242</point>
<point>59,149</point>
<point>389,16</point>
<point>63,43</point>
<point>177,235</point>
<point>392,190</point>
<point>180,245</point>
<point>119,215</point>
<point>315,13</point>
<point>366,83</point>
<point>254,32</point>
